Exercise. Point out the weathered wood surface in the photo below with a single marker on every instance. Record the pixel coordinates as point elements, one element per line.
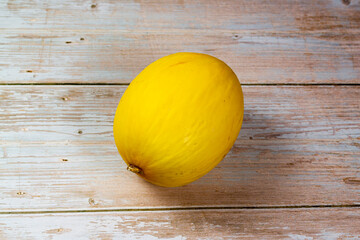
<point>299,145</point>
<point>111,41</point>
<point>198,224</point>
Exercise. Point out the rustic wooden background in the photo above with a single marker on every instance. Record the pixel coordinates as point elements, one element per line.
<point>293,173</point>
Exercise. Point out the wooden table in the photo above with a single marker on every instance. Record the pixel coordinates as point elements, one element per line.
<point>294,171</point>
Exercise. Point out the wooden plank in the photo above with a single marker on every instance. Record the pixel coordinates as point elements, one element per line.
<point>298,146</point>
<point>324,224</point>
<point>189,14</point>
<point>111,42</point>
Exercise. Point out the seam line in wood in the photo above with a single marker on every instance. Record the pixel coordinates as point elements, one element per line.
<point>195,208</point>
<point>126,84</point>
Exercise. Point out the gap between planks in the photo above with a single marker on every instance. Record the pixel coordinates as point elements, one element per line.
<point>194,208</point>
<point>126,84</point>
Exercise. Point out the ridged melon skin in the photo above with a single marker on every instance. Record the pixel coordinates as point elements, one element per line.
<point>179,118</point>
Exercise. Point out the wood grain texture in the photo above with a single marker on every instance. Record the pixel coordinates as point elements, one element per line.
<point>111,41</point>
<point>238,224</point>
<point>298,146</point>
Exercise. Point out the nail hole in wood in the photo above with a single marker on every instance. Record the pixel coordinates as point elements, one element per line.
<point>29,71</point>
<point>236,36</point>
<point>93,5</point>
<point>20,193</point>
<point>250,138</point>
<point>64,98</point>
<point>80,132</point>
<point>64,159</point>
<point>68,42</point>
<point>82,39</point>
<point>91,201</point>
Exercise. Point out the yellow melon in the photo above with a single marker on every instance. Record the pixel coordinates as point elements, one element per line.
<point>179,118</point>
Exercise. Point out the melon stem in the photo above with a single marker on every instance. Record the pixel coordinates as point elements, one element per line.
<point>134,169</point>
